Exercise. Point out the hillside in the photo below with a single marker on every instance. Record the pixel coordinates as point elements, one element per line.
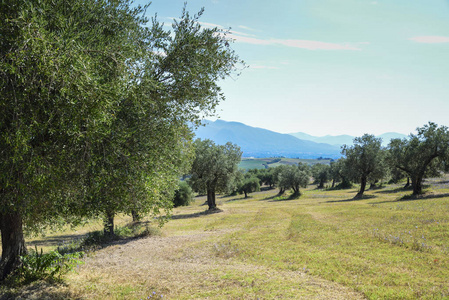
<point>258,142</point>
<point>338,140</point>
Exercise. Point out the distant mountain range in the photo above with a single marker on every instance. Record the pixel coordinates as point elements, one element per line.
<point>339,140</point>
<point>258,142</point>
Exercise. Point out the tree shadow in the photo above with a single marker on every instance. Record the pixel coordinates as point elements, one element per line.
<point>197,215</point>
<point>37,290</point>
<point>237,199</point>
<point>394,191</point>
<point>364,197</point>
<point>421,197</point>
<point>57,240</point>
<point>271,197</point>
<point>280,198</point>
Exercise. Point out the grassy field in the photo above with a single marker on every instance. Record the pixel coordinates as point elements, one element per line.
<point>263,163</point>
<point>323,245</point>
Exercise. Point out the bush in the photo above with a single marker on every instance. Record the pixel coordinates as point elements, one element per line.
<point>48,266</point>
<point>184,195</point>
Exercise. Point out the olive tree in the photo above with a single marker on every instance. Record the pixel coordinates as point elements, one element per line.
<point>293,177</point>
<point>424,152</point>
<point>94,111</point>
<point>214,167</point>
<point>249,184</point>
<point>321,173</point>
<point>363,159</point>
<point>339,174</point>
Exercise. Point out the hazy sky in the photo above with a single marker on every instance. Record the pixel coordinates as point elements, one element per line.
<point>332,66</point>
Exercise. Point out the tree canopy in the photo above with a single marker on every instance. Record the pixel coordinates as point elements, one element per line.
<point>293,177</point>
<point>363,159</point>
<point>321,173</point>
<point>95,107</point>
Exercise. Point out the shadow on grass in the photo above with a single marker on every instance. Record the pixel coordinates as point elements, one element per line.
<point>237,199</point>
<point>57,240</point>
<point>422,197</point>
<point>197,215</point>
<point>400,189</point>
<point>278,198</point>
<point>37,290</point>
<point>364,197</point>
<point>415,198</point>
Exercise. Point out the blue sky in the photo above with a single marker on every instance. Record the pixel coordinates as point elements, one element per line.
<point>332,66</point>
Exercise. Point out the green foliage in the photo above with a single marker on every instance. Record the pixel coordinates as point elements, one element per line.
<point>321,173</point>
<point>48,266</point>
<point>183,195</point>
<point>364,160</point>
<point>249,184</point>
<point>339,174</point>
<point>134,230</point>
<point>214,167</point>
<point>96,108</point>
<point>293,177</point>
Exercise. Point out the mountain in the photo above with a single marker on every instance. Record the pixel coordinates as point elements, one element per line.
<point>339,140</point>
<point>258,142</point>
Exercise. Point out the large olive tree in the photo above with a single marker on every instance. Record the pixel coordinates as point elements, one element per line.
<point>426,151</point>
<point>94,109</point>
<point>214,167</point>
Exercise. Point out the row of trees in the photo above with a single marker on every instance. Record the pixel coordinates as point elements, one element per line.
<point>215,169</point>
<point>96,104</point>
<point>366,161</point>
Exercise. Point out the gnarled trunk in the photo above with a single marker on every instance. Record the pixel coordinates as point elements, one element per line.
<point>362,188</point>
<point>211,199</point>
<point>13,243</point>
<point>417,185</point>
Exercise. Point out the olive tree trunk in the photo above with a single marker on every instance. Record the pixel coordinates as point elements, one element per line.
<point>211,199</point>
<point>109,224</point>
<point>417,185</point>
<point>13,243</point>
<point>362,188</point>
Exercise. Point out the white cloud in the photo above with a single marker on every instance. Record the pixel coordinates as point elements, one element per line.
<point>240,33</point>
<point>210,25</point>
<point>315,45</point>
<point>430,39</point>
<point>246,28</point>
<point>262,67</point>
<point>303,44</point>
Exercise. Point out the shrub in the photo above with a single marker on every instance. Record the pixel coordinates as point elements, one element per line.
<point>48,266</point>
<point>184,195</point>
